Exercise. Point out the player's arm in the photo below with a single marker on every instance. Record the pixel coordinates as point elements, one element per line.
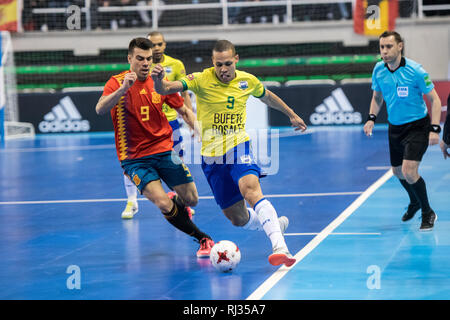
<point>375,106</point>
<point>106,103</point>
<point>189,117</point>
<point>162,86</point>
<point>187,100</point>
<point>275,102</point>
<point>435,115</point>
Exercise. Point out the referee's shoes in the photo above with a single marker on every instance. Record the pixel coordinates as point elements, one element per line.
<point>428,220</point>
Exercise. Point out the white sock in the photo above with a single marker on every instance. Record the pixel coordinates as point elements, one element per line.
<point>253,221</point>
<point>269,220</point>
<point>130,188</point>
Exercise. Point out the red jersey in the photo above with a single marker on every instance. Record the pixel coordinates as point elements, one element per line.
<point>140,126</point>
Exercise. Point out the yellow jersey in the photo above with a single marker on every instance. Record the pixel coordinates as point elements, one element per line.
<point>221,108</point>
<point>175,70</point>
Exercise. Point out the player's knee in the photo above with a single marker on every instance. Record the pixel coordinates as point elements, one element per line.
<point>239,220</point>
<point>191,199</point>
<point>250,192</point>
<point>165,205</point>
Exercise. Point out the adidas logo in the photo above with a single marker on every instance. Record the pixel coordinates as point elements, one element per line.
<point>64,117</point>
<point>335,109</point>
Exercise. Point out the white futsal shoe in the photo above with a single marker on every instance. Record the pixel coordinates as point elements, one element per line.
<point>130,210</point>
<point>282,255</point>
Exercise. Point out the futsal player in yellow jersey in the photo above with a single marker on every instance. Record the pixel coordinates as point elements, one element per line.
<point>227,161</point>
<point>174,70</point>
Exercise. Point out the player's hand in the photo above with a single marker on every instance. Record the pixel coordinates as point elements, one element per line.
<point>368,128</point>
<point>129,80</point>
<point>157,73</point>
<point>444,148</point>
<point>197,132</point>
<point>298,123</point>
<point>433,138</point>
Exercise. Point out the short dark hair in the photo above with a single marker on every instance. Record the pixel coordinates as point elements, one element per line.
<point>398,38</point>
<point>155,33</point>
<point>141,43</point>
<point>224,45</point>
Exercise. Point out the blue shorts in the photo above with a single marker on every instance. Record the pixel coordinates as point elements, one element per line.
<point>223,173</point>
<point>177,138</point>
<point>166,166</point>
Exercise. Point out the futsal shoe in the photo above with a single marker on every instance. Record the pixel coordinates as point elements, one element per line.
<point>428,220</point>
<point>189,210</point>
<point>130,210</point>
<point>281,256</point>
<point>284,222</point>
<point>206,245</point>
<point>412,209</point>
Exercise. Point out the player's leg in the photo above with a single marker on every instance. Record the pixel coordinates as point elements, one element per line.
<point>242,216</point>
<point>267,215</point>
<point>132,205</point>
<point>224,182</point>
<point>178,177</point>
<point>178,147</point>
<point>175,213</point>
<point>177,137</point>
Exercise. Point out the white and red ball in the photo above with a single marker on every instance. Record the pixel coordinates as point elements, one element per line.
<point>225,256</point>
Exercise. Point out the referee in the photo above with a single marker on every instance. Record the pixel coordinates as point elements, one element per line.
<point>401,82</point>
<point>445,142</point>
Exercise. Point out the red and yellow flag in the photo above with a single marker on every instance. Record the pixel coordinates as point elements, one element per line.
<point>8,15</point>
<point>373,17</point>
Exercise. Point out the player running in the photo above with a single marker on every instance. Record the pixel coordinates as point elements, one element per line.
<point>144,140</point>
<point>227,160</point>
<point>175,70</point>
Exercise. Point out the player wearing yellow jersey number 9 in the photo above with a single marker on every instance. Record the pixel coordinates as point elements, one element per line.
<point>227,161</point>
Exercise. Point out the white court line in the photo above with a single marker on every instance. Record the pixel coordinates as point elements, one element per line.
<point>378,168</point>
<point>335,234</point>
<point>282,271</point>
<point>388,167</point>
<point>62,148</point>
<point>325,194</point>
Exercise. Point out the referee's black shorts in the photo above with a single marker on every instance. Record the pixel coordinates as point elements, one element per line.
<point>409,141</point>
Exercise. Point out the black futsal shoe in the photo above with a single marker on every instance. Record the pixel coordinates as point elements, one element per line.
<point>428,220</point>
<point>412,209</point>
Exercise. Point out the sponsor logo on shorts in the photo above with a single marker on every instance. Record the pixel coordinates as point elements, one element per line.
<point>64,117</point>
<point>335,109</point>
<point>136,180</point>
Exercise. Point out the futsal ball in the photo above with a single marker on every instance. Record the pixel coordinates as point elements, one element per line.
<point>225,256</point>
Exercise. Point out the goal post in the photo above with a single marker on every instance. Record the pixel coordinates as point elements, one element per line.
<point>10,127</point>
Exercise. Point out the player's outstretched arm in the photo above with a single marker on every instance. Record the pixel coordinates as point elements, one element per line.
<point>275,102</point>
<point>162,86</point>
<point>375,106</point>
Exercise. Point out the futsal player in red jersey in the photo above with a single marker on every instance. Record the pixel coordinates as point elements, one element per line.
<point>144,140</point>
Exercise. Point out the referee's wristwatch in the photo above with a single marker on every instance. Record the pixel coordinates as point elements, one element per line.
<point>435,128</point>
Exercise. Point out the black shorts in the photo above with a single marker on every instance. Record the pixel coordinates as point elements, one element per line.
<point>408,141</point>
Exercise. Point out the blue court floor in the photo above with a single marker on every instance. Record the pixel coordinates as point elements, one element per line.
<point>61,235</point>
